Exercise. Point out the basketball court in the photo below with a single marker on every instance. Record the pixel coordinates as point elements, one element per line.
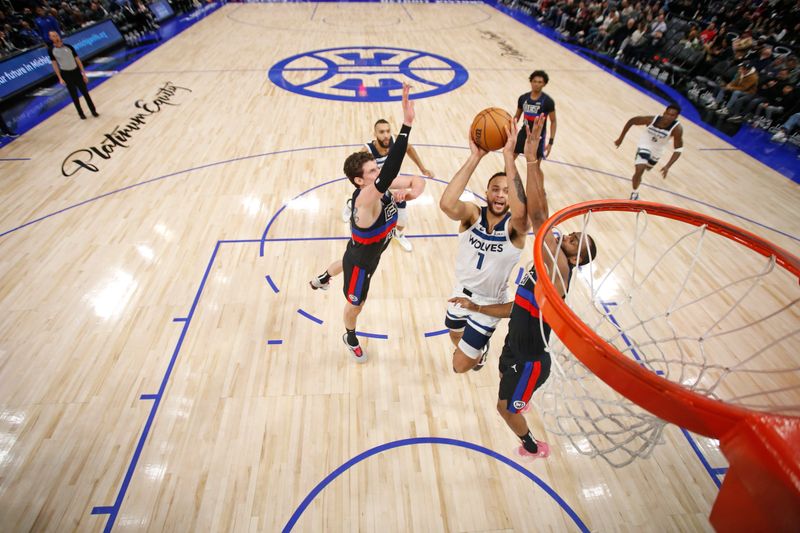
<point>164,364</point>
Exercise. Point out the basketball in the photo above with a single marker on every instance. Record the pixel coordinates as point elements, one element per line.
<point>488,130</point>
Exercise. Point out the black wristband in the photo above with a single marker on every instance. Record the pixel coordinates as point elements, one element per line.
<point>551,140</point>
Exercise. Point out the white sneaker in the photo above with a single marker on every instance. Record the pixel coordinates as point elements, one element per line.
<point>634,195</point>
<point>316,283</point>
<point>347,210</point>
<point>403,241</point>
<point>779,137</point>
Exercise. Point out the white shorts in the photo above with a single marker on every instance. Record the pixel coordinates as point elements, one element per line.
<point>477,327</point>
<point>645,157</point>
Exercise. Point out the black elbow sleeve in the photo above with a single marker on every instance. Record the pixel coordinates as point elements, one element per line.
<point>391,168</point>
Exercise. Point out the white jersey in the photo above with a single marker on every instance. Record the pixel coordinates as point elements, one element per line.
<point>484,261</point>
<point>654,139</point>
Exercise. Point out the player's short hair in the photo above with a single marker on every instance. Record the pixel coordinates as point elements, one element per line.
<point>381,121</point>
<point>676,107</point>
<point>539,74</point>
<point>588,251</point>
<point>495,175</point>
<point>354,165</point>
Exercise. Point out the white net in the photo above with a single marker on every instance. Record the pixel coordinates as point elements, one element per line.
<point>694,307</point>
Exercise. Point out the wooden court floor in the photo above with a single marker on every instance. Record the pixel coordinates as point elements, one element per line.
<point>156,371</point>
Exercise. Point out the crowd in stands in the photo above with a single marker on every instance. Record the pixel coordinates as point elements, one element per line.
<point>25,24</point>
<point>737,58</point>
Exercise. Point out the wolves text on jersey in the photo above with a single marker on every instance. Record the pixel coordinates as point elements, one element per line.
<point>485,246</point>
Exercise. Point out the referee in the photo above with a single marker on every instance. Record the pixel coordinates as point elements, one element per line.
<point>69,69</point>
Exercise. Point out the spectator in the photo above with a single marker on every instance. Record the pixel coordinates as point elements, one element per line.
<point>659,25</point>
<point>786,129</point>
<point>768,90</point>
<point>746,81</point>
<point>708,34</point>
<point>743,44</point>
<point>45,23</point>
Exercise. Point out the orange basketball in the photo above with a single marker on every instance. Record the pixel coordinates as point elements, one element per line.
<point>489,128</point>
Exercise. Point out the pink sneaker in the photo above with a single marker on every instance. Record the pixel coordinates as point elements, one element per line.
<point>543,451</point>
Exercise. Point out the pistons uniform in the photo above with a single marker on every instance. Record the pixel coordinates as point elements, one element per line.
<point>524,362</point>
<point>483,264</point>
<point>532,108</point>
<point>365,247</point>
<point>652,143</point>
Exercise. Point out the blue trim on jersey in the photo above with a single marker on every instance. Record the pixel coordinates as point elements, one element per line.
<point>528,295</point>
<point>484,236</point>
<point>502,225</point>
<point>361,275</point>
<point>366,234</point>
<point>522,384</point>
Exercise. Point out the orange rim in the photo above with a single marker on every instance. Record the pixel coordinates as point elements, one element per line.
<point>663,398</point>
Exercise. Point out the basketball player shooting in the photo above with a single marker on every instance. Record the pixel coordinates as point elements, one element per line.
<point>652,143</point>
<point>525,362</point>
<point>490,242</point>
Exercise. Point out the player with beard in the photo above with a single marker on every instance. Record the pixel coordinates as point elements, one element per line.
<point>525,362</point>
<point>490,241</point>
<point>379,148</point>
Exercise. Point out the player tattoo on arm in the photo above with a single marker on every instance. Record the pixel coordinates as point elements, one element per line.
<point>519,188</point>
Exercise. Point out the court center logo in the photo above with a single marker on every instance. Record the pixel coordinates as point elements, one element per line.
<point>367,73</point>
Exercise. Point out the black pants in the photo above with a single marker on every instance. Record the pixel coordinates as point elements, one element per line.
<point>75,83</point>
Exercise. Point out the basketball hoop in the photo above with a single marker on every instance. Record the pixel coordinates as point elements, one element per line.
<point>710,347</point>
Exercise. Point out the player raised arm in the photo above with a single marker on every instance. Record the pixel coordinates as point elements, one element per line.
<point>537,203</point>
<point>677,143</point>
<point>465,212</point>
<point>368,201</point>
<point>635,121</point>
<point>516,196</point>
<point>548,146</point>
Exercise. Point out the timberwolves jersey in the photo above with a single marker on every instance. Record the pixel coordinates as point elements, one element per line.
<point>380,159</point>
<point>654,139</point>
<point>366,245</point>
<point>484,261</point>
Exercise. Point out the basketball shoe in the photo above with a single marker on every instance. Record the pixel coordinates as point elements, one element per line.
<point>542,451</point>
<point>482,360</point>
<point>634,195</point>
<point>356,351</point>
<point>317,283</point>
<point>403,241</point>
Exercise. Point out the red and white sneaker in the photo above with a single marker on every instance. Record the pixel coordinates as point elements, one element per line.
<point>357,351</point>
<point>543,451</point>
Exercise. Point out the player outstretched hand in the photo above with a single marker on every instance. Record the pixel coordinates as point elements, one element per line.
<point>534,134</point>
<point>408,106</point>
<point>427,173</point>
<point>474,148</point>
<point>511,138</point>
<point>618,142</point>
<point>664,171</point>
